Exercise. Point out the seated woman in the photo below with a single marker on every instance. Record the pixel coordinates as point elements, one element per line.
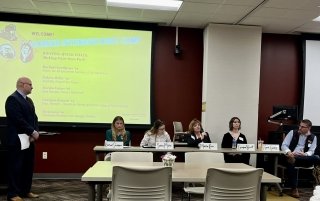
<point>234,133</point>
<point>197,135</point>
<point>156,134</point>
<point>118,132</point>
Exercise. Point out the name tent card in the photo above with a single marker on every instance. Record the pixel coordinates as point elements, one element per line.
<point>113,145</point>
<point>208,146</point>
<point>270,147</point>
<point>246,147</point>
<point>164,145</point>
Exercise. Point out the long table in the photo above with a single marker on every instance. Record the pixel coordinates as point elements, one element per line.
<point>102,150</point>
<point>101,172</point>
<point>99,150</point>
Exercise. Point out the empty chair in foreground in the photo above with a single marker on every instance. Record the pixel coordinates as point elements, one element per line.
<point>141,183</point>
<point>228,184</point>
<point>199,158</point>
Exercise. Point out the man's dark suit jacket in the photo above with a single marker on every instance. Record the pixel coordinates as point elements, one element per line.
<point>21,118</point>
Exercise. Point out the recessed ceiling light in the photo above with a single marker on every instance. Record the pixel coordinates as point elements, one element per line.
<point>317,19</point>
<point>169,5</point>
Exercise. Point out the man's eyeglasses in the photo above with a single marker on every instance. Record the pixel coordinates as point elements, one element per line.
<point>300,126</point>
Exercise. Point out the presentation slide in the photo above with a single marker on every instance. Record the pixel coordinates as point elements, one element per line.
<point>311,106</point>
<point>79,74</point>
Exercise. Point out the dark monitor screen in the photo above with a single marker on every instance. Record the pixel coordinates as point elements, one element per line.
<point>284,112</point>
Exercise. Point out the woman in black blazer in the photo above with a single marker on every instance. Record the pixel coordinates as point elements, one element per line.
<point>197,135</point>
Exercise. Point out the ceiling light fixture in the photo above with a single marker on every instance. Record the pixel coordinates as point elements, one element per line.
<point>317,19</point>
<point>169,5</point>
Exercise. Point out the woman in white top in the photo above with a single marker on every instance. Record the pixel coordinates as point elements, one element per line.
<point>156,134</point>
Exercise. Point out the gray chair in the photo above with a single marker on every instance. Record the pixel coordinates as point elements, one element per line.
<point>141,183</point>
<point>227,184</point>
<point>283,168</point>
<point>128,157</point>
<point>178,134</point>
<point>200,158</point>
<point>131,157</point>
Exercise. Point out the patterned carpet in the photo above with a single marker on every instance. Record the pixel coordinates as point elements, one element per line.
<point>75,190</point>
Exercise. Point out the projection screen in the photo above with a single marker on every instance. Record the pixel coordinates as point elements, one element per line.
<point>80,74</point>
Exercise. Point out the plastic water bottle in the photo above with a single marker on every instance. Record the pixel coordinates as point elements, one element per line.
<point>234,143</point>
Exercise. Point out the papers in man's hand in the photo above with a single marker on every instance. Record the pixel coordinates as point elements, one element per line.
<point>24,141</point>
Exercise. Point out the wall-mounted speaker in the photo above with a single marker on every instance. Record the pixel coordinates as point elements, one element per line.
<point>177,50</point>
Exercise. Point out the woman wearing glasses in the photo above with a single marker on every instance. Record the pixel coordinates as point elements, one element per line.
<point>156,134</point>
<point>231,139</point>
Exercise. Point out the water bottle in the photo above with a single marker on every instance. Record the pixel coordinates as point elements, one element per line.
<point>234,143</point>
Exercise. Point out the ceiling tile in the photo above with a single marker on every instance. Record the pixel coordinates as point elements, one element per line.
<point>55,1</point>
<point>23,4</point>
<point>205,1</point>
<point>293,4</point>
<point>234,10</point>
<point>198,7</point>
<point>269,12</point>
<point>158,14</point>
<point>280,16</point>
<point>92,15</point>
<point>77,8</point>
<point>243,2</point>
<point>125,12</point>
<point>301,14</point>
<point>225,19</point>
<point>89,2</point>
<point>17,10</point>
<point>46,7</point>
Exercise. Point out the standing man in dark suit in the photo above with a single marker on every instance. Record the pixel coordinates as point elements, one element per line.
<point>22,119</point>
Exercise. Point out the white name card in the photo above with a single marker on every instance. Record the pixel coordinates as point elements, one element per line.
<point>113,144</point>
<point>208,146</point>
<point>270,147</point>
<point>164,145</point>
<point>246,147</point>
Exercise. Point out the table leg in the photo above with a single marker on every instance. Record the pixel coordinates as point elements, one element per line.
<point>276,165</point>
<point>92,192</point>
<point>97,156</point>
<point>263,192</point>
<point>276,173</point>
<point>99,192</point>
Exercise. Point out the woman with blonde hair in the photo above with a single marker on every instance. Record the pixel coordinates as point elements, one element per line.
<point>118,132</point>
<point>156,134</point>
<point>197,135</point>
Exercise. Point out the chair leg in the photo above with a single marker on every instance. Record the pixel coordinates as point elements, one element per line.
<point>280,189</point>
<point>297,176</point>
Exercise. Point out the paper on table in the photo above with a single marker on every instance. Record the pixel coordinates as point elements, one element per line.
<point>24,141</point>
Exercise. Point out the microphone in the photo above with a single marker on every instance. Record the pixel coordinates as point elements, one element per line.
<point>277,114</point>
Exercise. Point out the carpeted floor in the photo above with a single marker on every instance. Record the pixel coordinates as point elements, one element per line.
<point>75,190</point>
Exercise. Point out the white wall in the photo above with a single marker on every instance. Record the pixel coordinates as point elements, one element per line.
<point>231,76</point>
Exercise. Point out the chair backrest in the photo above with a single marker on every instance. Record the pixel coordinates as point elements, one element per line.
<point>141,184</point>
<point>203,157</point>
<point>178,134</point>
<point>132,157</point>
<point>177,126</point>
<point>227,184</point>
